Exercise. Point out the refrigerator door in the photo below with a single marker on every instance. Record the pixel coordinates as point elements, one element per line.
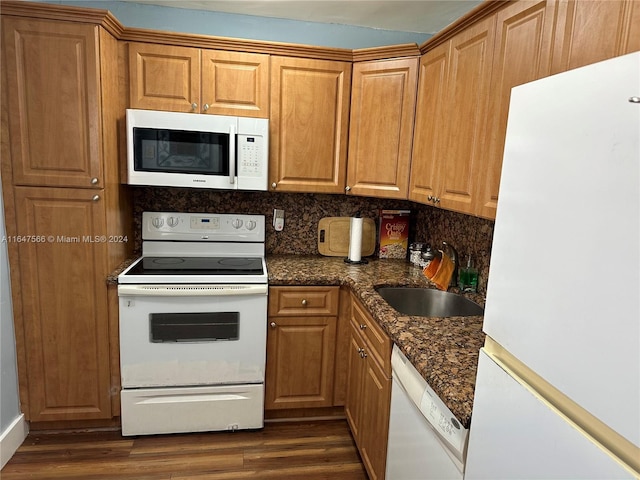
<point>564,281</point>
<point>515,435</point>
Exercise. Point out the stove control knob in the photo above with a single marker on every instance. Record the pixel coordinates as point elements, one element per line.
<point>236,223</point>
<point>251,224</point>
<point>158,222</point>
<point>172,221</point>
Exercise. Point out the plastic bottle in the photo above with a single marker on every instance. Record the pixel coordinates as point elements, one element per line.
<point>468,277</point>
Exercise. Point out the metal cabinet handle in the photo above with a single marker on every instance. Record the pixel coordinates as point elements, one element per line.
<point>274,185</point>
<point>304,301</point>
<point>362,326</point>
<point>94,181</point>
<point>194,106</point>
<point>430,198</point>
<point>95,198</point>
<point>205,107</point>
<point>273,325</point>
<point>634,99</point>
<point>363,354</point>
<point>347,188</point>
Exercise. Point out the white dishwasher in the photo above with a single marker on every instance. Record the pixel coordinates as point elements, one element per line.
<point>426,441</point>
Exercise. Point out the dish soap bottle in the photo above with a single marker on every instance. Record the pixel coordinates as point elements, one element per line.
<point>468,277</point>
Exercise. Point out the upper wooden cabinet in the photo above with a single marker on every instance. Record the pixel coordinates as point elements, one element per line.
<point>184,79</point>
<point>54,120</point>
<point>309,125</point>
<point>383,98</point>
<point>453,96</point>
<point>592,31</point>
<point>522,53</point>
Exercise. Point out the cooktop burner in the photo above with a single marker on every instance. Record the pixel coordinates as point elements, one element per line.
<point>198,266</point>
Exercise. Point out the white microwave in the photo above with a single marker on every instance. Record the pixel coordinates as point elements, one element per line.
<point>195,150</point>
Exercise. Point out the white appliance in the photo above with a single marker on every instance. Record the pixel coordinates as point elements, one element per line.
<point>558,386</point>
<point>426,441</point>
<point>193,316</point>
<point>197,150</point>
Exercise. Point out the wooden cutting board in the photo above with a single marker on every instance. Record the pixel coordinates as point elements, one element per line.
<point>333,236</point>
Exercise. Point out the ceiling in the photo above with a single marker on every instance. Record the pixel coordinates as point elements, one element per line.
<point>421,16</point>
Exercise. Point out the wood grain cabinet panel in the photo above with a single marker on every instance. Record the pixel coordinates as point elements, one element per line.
<point>54,120</point>
<point>522,53</point>
<point>448,148</point>
<point>301,347</point>
<point>164,77</point>
<point>309,125</point>
<point>368,399</point>
<point>64,303</point>
<point>383,99</point>
<point>592,31</point>
<point>184,79</point>
<point>235,83</point>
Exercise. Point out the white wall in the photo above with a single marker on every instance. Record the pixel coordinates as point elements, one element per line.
<point>12,424</point>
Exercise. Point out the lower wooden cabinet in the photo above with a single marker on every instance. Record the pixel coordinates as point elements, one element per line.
<point>64,308</point>
<point>301,347</point>
<point>369,389</point>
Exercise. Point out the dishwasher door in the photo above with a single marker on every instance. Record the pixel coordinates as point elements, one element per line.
<point>425,440</point>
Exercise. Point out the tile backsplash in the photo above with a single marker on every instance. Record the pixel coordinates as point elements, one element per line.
<point>469,235</point>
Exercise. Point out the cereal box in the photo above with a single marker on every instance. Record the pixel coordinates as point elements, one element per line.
<point>394,233</point>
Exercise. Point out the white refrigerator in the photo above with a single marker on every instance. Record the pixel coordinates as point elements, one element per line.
<point>558,386</point>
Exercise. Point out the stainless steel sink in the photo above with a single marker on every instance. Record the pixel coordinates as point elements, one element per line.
<point>426,302</point>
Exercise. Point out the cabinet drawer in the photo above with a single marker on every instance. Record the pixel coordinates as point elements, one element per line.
<point>296,301</point>
<point>378,341</point>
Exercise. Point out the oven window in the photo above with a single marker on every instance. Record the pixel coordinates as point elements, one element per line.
<point>179,151</point>
<point>194,327</point>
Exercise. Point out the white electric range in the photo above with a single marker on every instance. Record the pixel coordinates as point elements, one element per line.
<point>193,316</point>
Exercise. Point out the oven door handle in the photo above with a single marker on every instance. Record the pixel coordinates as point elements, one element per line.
<point>191,290</point>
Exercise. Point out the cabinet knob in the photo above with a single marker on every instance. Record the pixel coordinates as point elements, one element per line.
<point>304,301</point>
<point>274,185</point>
<point>194,106</point>
<point>362,326</point>
<point>363,354</point>
<point>205,107</point>
<point>94,181</point>
<point>95,198</point>
<point>430,198</point>
<point>273,325</point>
<point>347,188</point>
<point>436,200</point>
<point>634,99</point>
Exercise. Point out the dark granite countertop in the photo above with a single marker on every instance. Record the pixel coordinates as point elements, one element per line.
<point>443,350</point>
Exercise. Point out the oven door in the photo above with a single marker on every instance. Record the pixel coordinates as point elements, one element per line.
<point>189,335</point>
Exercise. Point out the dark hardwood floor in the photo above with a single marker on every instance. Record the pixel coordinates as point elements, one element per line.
<point>313,450</point>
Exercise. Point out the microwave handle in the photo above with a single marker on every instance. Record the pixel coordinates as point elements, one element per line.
<point>232,154</point>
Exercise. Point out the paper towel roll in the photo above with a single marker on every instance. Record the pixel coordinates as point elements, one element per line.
<point>355,239</point>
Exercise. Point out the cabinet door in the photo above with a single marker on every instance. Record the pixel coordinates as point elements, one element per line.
<point>376,405</point>
<point>235,83</point>
<point>64,303</point>
<point>309,125</point>
<point>356,367</point>
<point>380,133</point>
<point>300,362</point>
<point>522,53</point>
<point>467,98</point>
<point>162,77</point>
<point>592,31</point>
<point>429,130</point>
<point>53,92</point>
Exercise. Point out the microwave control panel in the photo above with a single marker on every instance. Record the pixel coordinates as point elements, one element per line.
<point>250,155</point>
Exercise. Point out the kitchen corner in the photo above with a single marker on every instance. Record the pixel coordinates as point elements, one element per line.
<point>443,350</point>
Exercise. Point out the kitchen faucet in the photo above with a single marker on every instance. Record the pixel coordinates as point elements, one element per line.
<point>451,252</point>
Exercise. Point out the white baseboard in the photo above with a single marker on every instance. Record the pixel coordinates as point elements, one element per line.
<point>12,438</point>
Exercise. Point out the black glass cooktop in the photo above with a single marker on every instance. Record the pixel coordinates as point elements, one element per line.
<point>198,266</point>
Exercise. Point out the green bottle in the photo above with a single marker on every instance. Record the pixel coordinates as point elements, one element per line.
<point>468,277</point>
